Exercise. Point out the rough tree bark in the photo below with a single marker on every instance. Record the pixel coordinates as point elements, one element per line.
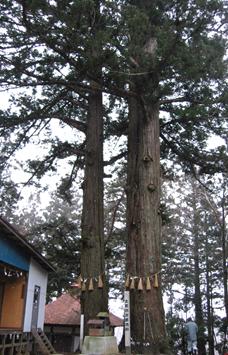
<point>144,227</point>
<point>197,296</point>
<point>224,252</point>
<point>210,328</point>
<point>92,249</point>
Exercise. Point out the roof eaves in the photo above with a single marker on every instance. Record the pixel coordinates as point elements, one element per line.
<point>25,243</point>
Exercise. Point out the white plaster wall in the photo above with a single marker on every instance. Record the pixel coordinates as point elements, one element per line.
<point>76,343</point>
<point>37,277</point>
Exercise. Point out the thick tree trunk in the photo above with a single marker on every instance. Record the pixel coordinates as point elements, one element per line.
<point>224,255</point>
<point>92,250</point>
<point>198,297</point>
<point>144,228</point>
<point>210,329</point>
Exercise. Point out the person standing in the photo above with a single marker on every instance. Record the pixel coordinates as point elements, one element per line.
<point>191,329</point>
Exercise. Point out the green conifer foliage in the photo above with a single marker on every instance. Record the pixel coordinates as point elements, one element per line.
<point>165,58</point>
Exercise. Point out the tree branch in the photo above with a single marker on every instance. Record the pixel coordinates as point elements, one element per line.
<point>115,158</point>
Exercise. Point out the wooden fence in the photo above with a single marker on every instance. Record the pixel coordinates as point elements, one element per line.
<point>13,342</point>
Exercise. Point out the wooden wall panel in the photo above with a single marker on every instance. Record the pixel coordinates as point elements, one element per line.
<point>13,305</point>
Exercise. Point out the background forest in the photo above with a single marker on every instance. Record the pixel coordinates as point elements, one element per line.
<point>193,248</point>
<point>79,80</point>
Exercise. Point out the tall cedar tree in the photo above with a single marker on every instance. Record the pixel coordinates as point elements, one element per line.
<point>169,57</point>
<point>53,48</point>
<point>175,60</point>
<point>92,251</point>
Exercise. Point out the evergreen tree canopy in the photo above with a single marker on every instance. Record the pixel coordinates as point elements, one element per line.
<point>46,59</point>
<point>59,57</point>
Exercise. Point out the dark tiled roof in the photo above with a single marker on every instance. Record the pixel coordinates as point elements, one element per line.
<point>65,310</point>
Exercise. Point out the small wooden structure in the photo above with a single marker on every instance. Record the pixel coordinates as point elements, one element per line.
<point>12,342</point>
<point>101,339</point>
<point>96,327</point>
<point>100,326</point>
<point>23,284</point>
<point>62,322</point>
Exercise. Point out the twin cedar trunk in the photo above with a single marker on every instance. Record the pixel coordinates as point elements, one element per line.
<point>143,226</point>
<point>143,221</point>
<point>92,249</point>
